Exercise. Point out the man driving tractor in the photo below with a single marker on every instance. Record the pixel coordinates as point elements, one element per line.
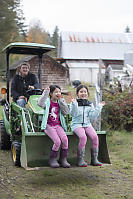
<point>22,82</point>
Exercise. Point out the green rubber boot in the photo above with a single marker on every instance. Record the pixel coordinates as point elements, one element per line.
<point>80,155</point>
<point>94,156</point>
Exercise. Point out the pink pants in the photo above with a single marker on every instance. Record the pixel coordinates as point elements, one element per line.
<point>81,132</point>
<point>57,135</point>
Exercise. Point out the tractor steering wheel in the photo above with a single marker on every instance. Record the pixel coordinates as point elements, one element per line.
<point>34,92</point>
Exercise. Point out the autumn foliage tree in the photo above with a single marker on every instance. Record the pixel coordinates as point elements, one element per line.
<point>37,34</point>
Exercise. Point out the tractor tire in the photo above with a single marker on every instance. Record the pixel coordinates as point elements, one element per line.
<point>5,138</point>
<point>15,153</point>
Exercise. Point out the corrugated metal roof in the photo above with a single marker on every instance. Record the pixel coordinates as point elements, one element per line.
<point>97,37</point>
<point>108,46</point>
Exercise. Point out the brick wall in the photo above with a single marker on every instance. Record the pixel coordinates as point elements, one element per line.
<point>52,72</point>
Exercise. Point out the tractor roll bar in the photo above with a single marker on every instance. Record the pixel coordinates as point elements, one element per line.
<point>27,49</point>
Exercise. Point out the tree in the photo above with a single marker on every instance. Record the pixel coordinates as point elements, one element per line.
<point>12,26</point>
<point>20,19</point>
<point>11,21</point>
<point>37,34</point>
<point>7,23</point>
<point>54,40</point>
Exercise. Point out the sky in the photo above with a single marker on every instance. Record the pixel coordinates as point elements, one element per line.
<point>80,15</point>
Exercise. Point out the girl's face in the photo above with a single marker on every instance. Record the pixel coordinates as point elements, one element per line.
<point>83,94</point>
<point>56,95</point>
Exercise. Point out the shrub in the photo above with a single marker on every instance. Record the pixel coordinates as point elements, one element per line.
<point>118,111</point>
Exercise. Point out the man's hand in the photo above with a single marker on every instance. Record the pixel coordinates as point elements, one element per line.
<point>21,97</point>
<point>31,87</point>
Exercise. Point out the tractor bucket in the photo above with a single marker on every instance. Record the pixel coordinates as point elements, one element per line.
<point>36,145</point>
<point>35,149</point>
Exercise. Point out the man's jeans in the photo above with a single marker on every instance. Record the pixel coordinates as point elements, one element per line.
<point>21,102</point>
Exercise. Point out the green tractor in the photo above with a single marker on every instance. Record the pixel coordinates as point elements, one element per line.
<point>20,129</point>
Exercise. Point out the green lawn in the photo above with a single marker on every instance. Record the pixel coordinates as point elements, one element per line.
<point>106,182</point>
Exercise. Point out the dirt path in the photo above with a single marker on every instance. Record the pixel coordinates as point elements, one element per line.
<point>109,181</point>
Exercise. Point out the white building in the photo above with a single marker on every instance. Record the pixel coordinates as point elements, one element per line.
<point>81,52</point>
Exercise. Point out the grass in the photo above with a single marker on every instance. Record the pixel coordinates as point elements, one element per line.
<point>121,143</point>
<point>108,181</point>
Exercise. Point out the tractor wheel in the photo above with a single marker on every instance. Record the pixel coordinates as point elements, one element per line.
<point>5,138</point>
<point>15,153</point>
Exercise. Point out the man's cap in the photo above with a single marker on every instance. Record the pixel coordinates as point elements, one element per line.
<point>76,83</point>
<point>25,63</point>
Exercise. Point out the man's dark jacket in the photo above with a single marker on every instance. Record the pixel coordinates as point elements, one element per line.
<point>20,85</point>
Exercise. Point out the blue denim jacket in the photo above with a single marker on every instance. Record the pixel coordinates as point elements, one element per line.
<point>82,115</point>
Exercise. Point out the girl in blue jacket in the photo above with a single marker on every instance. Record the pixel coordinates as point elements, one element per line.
<point>82,111</point>
<point>53,123</point>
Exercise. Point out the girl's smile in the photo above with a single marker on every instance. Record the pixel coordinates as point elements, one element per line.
<point>56,95</point>
<point>83,94</point>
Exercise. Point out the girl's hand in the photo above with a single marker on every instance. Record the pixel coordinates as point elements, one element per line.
<point>47,88</point>
<point>60,96</point>
<point>73,100</point>
<point>102,103</point>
